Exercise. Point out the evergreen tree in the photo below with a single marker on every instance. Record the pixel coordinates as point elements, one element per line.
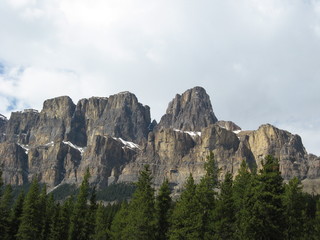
<point>224,212</point>
<point>186,221</point>
<point>5,204</point>
<point>54,230</point>
<point>163,210</point>
<point>31,220</point>
<point>141,213</point>
<point>268,218</point>
<point>205,197</point>
<point>309,216</point>
<point>15,216</point>
<point>101,224</point>
<point>294,209</point>
<point>243,191</point>
<point>91,216</point>
<point>61,220</point>
<point>49,213</point>
<point>119,223</point>
<point>317,220</point>
<point>80,213</point>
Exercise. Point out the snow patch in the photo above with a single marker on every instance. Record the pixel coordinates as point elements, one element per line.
<point>80,149</point>
<point>50,144</point>
<point>25,147</point>
<point>237,131</point>
<point>128,144</point>
<point>191,133</point>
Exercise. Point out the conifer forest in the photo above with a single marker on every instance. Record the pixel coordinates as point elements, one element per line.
<point>251,205</point>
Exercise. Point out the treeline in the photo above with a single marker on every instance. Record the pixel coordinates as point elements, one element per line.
<point>251,206</point>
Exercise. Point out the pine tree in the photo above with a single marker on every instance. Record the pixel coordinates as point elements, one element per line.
<point>317,220</point>
<point>91,216</point>
<point>15,216</point>
<point>101,224</point>
<point>50,209</point>
<point>294,209</point>
<point>119,223</point>
<point>80,213</point>
<point>243,191</point>
<point>5,204</point>
<point>185,220</point>
<point>141,212</point>
<point>61,221</point>
<point>268,218</point>
<point>224,212</point>
<point>163,210</point>
<point>205,197</point>
<point>54,229</point>
<point>31,220</point>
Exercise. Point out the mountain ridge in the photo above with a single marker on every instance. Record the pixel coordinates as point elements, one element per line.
<point>114,137</point>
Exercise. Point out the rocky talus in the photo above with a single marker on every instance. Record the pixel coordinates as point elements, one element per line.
<point>114,137</point>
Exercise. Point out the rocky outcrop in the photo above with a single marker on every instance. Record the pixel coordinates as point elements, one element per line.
<point>230,126</point>
<point>3,126</point>
<point>114,138</point>
<point>54,121</point>
<point>190,111</point>
<point>14,163</point>
<point>20,124</point>
<point>120,116</point>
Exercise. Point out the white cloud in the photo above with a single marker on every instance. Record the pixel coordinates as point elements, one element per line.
<point>258,59</point>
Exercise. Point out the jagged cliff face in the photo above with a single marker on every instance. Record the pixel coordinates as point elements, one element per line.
<point>114,137</point>
<point>190,111</point>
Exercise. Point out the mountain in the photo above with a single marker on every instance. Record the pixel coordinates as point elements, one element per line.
<point>114,137</point>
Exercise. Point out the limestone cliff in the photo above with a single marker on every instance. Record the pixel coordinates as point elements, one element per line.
<point>190,111</point>
<point>114,137</point>
<point>3,125</point>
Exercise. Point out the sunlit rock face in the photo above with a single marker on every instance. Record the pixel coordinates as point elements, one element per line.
<point>114,138</point>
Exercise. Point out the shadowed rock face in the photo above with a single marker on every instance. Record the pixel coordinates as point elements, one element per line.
<point>114,137</point>
<point>3,126</point>
<point>190,111</point>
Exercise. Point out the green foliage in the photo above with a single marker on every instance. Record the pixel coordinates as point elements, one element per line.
<point>78,230</point>
<point>101,224</point>
<point>205,197</point>
<point>252,206</point>
<point>141,224</point>
<point>63,191</point>
<point>186,220</point>
<point>31,219</point>
<point>268,215</point>
<point>15,216</point>
<point>224,212</point>
<point>163,210</point>
<point>116,192</point>
<point>60,224</point>
<point>91,215</point>
<point>243,192</point>
<point>119,223</point>
<point>5,205</point>
<point>294,209</point>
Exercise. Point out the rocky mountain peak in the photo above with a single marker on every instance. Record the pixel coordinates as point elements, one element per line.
<point>126,118</point>
<point>59,107</point>
<point>114,137</point>
<point>190,111</point>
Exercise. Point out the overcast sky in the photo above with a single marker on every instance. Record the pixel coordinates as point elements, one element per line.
<point>259,60</point>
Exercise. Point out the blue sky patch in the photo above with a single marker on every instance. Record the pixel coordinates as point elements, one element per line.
<point>13,104</point>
